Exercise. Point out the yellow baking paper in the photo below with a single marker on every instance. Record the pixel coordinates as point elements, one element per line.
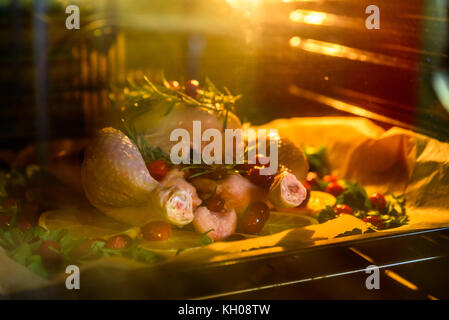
<point>396,160</point>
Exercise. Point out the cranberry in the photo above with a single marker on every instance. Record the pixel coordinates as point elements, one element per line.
<point>174,85</point>
<point>378,201</point>
<point>259,179</point>
<point>158,169</point>
<point>156,231</point>
<point>343,209</point>
<point>255,217</point>
<point>49,250</point>
<point>118,242</point>
<point>215,204</point>
<point>375,221</point>
<point>191,88</point>
<point>312,178</point>
<point>334,188</point>
<point>329,178</point>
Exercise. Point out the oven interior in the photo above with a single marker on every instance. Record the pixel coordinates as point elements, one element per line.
<point>287,58</point>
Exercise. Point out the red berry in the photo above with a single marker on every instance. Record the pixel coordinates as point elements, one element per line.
<point>255,217</point>
<point>312,178</point>
<point>334,188</point>
<point>118,242</point>
<point>174,85</point>
<point>215,204</point>
<point>329,178</point>
<point>261,208</point>
<point>343,209</point>
<point>375,221</point>
<point>156,231</point>
<point>49,250</point>
<point>191,88</point>
<point>378,201</point>
<point>158,169</point>
<point>259,179</point>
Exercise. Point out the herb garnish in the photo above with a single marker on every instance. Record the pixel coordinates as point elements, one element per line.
<point>355,196</point>
<point>204,239</point>
<point>23,244</point>
<point>317,160</point>
<point>140,96</point>
<point>148,153</point>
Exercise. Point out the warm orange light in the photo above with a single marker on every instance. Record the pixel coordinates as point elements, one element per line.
<point>295,41</point>
<point>308,17</point>
<point>340,51</point>
<point>393,275</point>
<point>175,84</point>
<point>287,1</point>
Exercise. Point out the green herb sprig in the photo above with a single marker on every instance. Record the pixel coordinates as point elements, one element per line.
<point>204,239</point>
<point>141,95</point>
<point>148,153</point>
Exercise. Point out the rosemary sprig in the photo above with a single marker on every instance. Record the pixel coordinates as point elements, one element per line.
<point>148,153</point>
<point>140,96</point>
<point>215,171</point>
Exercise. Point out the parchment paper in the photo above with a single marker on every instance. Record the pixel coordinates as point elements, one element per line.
<point>397,160</point>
